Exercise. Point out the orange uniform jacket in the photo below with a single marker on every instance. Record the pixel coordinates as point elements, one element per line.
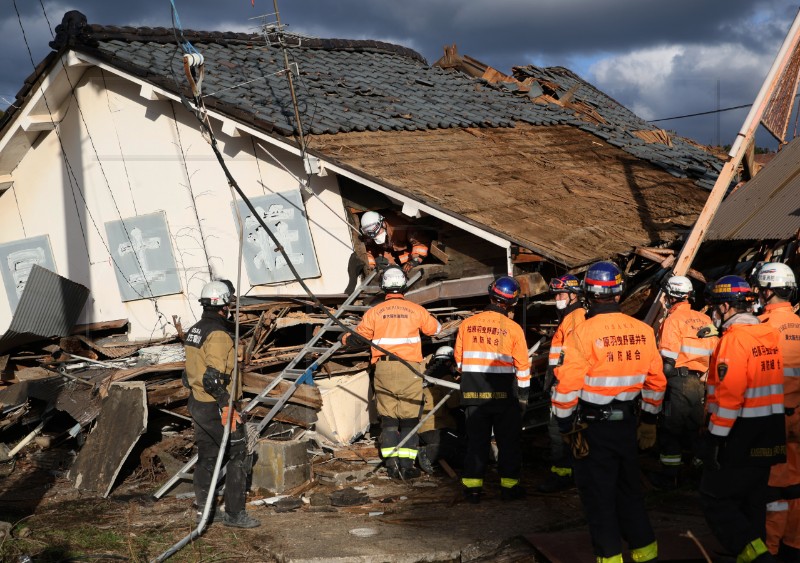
<point>394,325</point>
<point>611,356</point>
<point>491,353</point>
<point>745,394</point>
<point>782,317</point>
<point>564,330</point>
<point>403,242</point>
<point>678,341</point>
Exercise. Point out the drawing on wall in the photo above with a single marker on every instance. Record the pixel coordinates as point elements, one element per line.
<point>285,215</point>
<point>141,250</point>
<point>17,258</point>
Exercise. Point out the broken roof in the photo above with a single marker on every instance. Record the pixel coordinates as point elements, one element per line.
<point>765,208</point>
<point>365,93</point>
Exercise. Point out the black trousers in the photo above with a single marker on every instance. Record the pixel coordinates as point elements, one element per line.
<point>208,432</point>
<point>734,501</point>
<point>505,418</point>
<point>394,431</point>
<point>610,490</point>
<point>683,417</point>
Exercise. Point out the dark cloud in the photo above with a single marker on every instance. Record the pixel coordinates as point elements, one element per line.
<point>580,34</point>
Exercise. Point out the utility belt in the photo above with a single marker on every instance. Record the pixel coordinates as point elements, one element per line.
<point>614,411</point>
<point>686,372</point>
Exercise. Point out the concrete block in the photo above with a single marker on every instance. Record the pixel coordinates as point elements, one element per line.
<point>280,465</point>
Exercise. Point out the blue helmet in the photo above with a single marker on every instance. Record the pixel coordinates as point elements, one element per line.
<point>565,284</point>
<point>603,278</point>
<point>731,289</point>
<point>504,289</point>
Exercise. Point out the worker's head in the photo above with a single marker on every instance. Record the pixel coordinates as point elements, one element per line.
<point>372,225</point>
<point>504,291</point>
<point>566,290</point>
<point>393,280</point>
<point>444,356</point>
<point>775,283</point>
<point>216,296</point>
<point>678,288</point>
<point>728,296</point>
<point>603,282</point>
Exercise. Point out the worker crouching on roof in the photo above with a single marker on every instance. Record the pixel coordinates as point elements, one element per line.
<point>392,241</point>
<point>571,313</point>
<point>210,361</point>
<point>777,287</point>
<point>686,357</point>
<point>395,325</point>
<point>610,364</point>
<point>492,355</point>
<point>746,429</point>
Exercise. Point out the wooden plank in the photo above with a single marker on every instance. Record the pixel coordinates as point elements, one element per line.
<point>122,419</point>
<point>103,325</point>
<point>304,395</point>
<point>438,251</point>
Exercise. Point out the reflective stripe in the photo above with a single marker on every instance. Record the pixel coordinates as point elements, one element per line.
<point>565,397</point>
<point>711,389</point>
<point>599,399</point>
<point>671,459</point>
<point>524,373</point>
<point>646,553</point>
<point>563,413</point>
<point>387,452</point>
<point>471,483</point>
<point>561,471</point>
<point>653,409</point>
<point>755,412</point>
<point>669,354</point>
<point>696,351</point>
<point>523,383</point>
<point>778,506</point>
<point>391,341</point>
<point>791,372</point>
<point>508,482</point>
<point>438,328</point>
<point>717,430</point>
<point>556,349</point>
<point>763,391</point>
<point>489,356</point>
<point>473,368</point>
<point>727,413</point>
<point>552,362</point>
<point>712,408</point>
<point>615,381</point>
<point>652,395</point>
<point>407,453</point>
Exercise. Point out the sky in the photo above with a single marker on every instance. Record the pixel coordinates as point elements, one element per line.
<point>660,59</point>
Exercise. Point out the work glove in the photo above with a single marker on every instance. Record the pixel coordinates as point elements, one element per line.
<point>227,412</point>
<point>646,435</point>
<point>707,331</point>
<point>708,450</point>
<point>413,263</point>
<point>572,434</point>
<point>381,262</point>
<point>522,396</point>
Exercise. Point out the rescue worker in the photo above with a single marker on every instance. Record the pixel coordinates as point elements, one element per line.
<point>392,241</point>
<point>495,370</point>
<point>571,313</point>
<point>776,289</point>
<point>395,325</point>
<point>210,360</point>
<point>746,429</point>
<point>438,433</point>
<point>611,363</point>
<point>686,357</point>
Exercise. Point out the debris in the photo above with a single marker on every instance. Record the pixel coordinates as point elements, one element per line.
<point>280,465</point>
<point>287,504</point>
<point>122,419</point>
<point>349,497</point>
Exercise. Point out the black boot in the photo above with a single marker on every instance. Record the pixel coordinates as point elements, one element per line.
<point>473,495</point>
<point>392,467</point>
<point>425,462</point>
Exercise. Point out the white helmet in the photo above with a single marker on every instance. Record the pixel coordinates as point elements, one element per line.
<point>444,353</point>
<point>393,280</point>
<point>215,294</point>
<point>678,287</point>
<point>775,275</point>
<point>373,227</point>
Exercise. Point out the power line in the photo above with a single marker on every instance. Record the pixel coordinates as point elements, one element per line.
<point>701,113</point>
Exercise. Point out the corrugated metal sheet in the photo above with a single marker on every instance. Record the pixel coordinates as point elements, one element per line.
<point>768,206</point>
<point>49,306</point>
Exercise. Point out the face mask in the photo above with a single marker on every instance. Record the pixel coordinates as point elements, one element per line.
<point>561,305</point>
<point>380,238</point>
<point>758,306</point>
<point>716,318</point>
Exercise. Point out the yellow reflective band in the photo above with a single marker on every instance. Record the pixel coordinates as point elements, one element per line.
<point>387,452</point>
<point>507,483</point>
<point>407,453</point>
<point>612,559</point>
<point>646,553</point>
<point>471,483</point>
<point>751,551</point>
<point>561,471</point>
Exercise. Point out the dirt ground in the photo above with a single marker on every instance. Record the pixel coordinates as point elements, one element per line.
<point>425,520</point>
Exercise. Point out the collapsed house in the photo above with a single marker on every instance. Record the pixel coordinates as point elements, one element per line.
<point>108,183</point>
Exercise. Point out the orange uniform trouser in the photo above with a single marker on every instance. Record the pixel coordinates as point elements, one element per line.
<point>783,524</point>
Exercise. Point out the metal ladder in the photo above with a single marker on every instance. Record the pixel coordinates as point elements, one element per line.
<point>296,375</point>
